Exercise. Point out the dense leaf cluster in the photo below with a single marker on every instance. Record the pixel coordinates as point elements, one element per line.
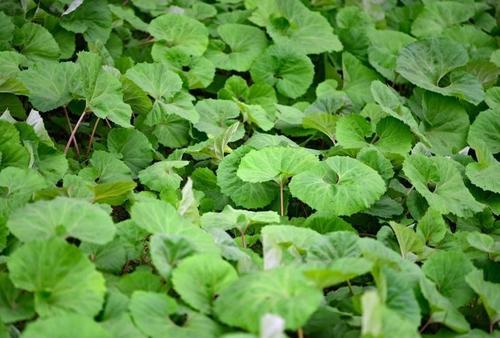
<point>249,168</point>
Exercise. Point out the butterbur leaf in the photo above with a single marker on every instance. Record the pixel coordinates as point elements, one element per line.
<point>432,227</point>
<point>442,309</point>
<point>274,163</point>
<point>341,270</point>
<point>294,299</point>
<point>162,175</point>
<point>58,327</point>
<point>484,131</point>
<point>152,314</point>
<point>180,32</point>
<point>340,184</point>
<point>445,57</point>
<point>305,31</point>
<point>168,250</point>
<point>94,20</point>
<point>384,49</point>
<point>357,80</point>
<point>132,146</point>
<point>37,43</point>
<point>280,66</point>
<point>448,270</point>
<point>246,43</point>
<point>199,279</point>
<point>15,304</point>
<point>61,277</point>
<point>409,242</point>
<point>486,172</point>
<point>436,16</point>
<point>245,194</point>
<point>488,293</point>
<point>216,116</point>
<point>49,84</point>
<point>438,180</point>
<point>155,79</point>
<point>113,193</point>
<point>62,217</point>
<point>230,218</point>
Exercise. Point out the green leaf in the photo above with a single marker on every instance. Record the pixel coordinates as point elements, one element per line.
<point>152,314</point>
<point>93,20</point>
<point>448,270</point>
<point>294,25</point>
<point>280,66</point>
<point>155,79</point>
<point>409,242</point>
<point>274,163</point>
<point>384,49</point>
<point>441,308</point>
<point>484,131</point>
<point>230,218</point>
<point>216,116</point>
<point>444,122</point>
<point>340,271</point>
<point>62,217</point>
<point>128,15</point>
<point>61,277</point>
<point>6,30</point>
<point>180,32</point>
<point>245,194</point>
<point>105,167</point>
<point>15,305</point>
<point>294,299</point>
<point>245,44</point>
<point>162,175</point>
<point>37,43</point>
<point>58,327</point>
<point>432,227</point>
<point>102,90</point>
<point>436,16</point>
<point>357,80</point>
<point>438,180</point>
<point>168,250</point>
<point>340,184</point>
<point>443,76</point>
<point>486,172</point>
<point>488,293</point>
<point>113,193</point>
<point>210,276</point>
<point>132,146</point>
<point>49,84</point>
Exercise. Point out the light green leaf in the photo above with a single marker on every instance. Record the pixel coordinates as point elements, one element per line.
<point>180,32</point>
<point>49,84</point>
<point>448,270</point>
<point>486,172</point>
<point>162,175</point>
<point>444,122</point>
<point>438,180</point>
<point>442,309</point>
<point>436,16</point>
<point>274,163</point>
<point>294,299</point>
<point>245,194</point>
<point>485,131</point>
<point>432,227</point>
<point>488,292</point>
<point>105,167</point>
<point>199,279</point>
<point>230,218</point>
<point>216,116</point>
<point>340,271</point>
<point>168,250</point>
<point>357,80</point>
<point>15,305</point>
<point>245,43</point>
<point>62,217</point>
<point>113,193</point>
<point>151,312</point>
<point>384,49</point>
<point>409,243</point>
<point>132,146</point>
<point>58,327</point>
<point>340,184</point>
<point>93,19</point>
<point>280,66</point>
<point>6,30</point>
<point>323,122</point>
<point>128,15</point>
<point>37,43</point>
<point>61,277</point>
<point>155,79</point>
<point>433,64</point>
<point>307,32</point>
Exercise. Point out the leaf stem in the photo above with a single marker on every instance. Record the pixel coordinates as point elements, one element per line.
<point>70,126</point>
<point>73,132</point>
<point>91,139</point>
<point>427,323</point>
<point>300,333</point>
